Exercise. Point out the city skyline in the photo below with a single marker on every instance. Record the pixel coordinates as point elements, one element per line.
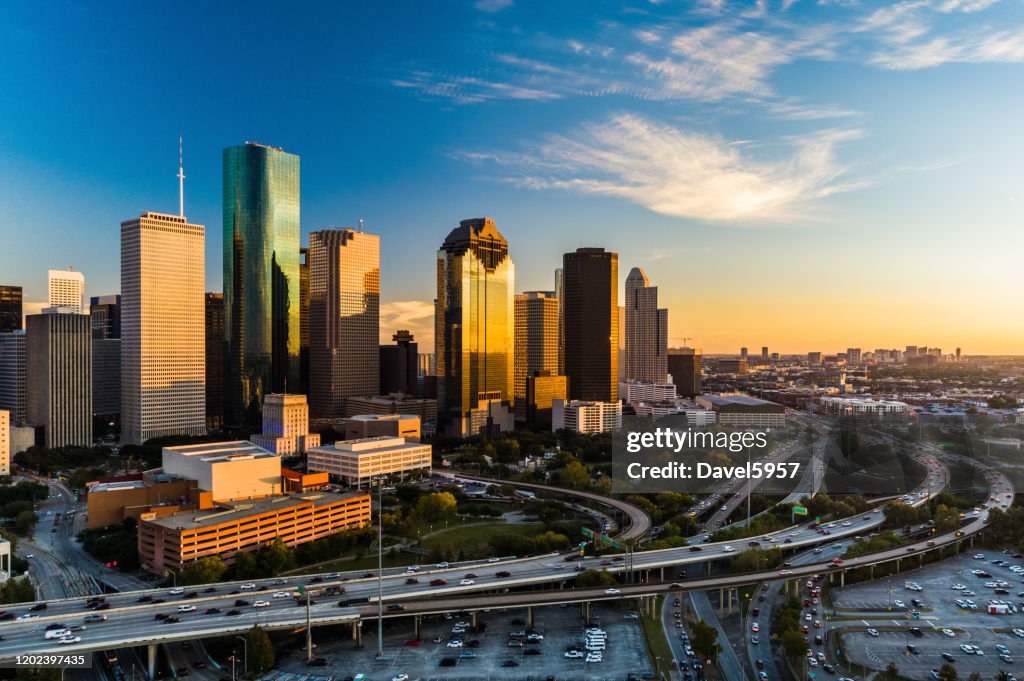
<point>855,225</point>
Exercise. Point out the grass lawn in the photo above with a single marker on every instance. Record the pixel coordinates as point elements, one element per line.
<point>472,539</point>
<point>657,644</point>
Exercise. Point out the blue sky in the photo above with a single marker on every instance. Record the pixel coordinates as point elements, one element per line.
<point>807,175</point>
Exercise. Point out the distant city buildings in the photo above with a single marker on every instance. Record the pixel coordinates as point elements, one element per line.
<point>743,411</point>
<point>10,308</point>
<point>13,377</point>
<point>536,342</point>
<point>365,426</point>
<point>856,406</point>
<point>686,369</point>
<point>344,318</point>
<point>591,323</point>
<point>732,366</point>
<point>399,365</point>
<point>474,327</point>
<point>286,426</point>
<point>646,331</point>
<point>163,342</point>
<point>261,277</point>
<point>66,289</point>
<point>214,346</point>
<point>58,353</point>
<point>358,463</point>
<point>637,392</point>
<point>542,389</point>
<point>582,416</point>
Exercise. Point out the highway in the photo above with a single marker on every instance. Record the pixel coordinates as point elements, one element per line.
<point>131,622</point>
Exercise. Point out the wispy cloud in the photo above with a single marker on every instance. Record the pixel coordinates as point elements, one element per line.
<point>468,89</point>
<point>686,174</point>
<point>416,316</point>
<point>492,5</point>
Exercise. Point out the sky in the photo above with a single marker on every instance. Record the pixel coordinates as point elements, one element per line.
<point>801,174</point>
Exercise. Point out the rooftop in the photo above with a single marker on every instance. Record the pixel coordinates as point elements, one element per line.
<point>745,400</point>
<point>217,452</point>
<point>233,512</point>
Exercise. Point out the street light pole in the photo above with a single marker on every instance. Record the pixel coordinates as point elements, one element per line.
<point>245,653</point>
<point>380,567</point>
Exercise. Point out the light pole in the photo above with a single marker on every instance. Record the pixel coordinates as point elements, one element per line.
<point>380,566</point>
<point>245,654</point>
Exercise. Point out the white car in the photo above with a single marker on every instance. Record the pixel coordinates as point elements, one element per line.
<point>897,603</point>
<point>493,560</point>
<point>400,677</point>
<point>573,654</point>
<point>594,657</point>
<point>948,632</point>
<point>26,616</point>
<point>441,565</point>
<point>186,608</point>
<point>466,582</point>
<point>67,640</point>
<point>281,594</point>
<point>957,587</point>
<point>177,591</point>
<point>1019,633</point>
<point>261,604</point>
<point>612,592</point>
<point>455,643</point>
<point>785,572</point>
<point>727,549</point>
<point>247,587</point>
<point>873,632</point>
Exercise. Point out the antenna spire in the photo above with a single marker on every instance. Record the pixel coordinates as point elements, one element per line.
<point>181,180</point>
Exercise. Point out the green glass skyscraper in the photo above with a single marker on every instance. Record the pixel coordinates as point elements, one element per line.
<point>261,278</point>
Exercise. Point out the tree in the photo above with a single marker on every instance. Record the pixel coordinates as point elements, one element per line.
<point>793,643</point>
<point>206,570</point>
<point>947,672</point>
<point>574,475</point>
<point>246,566</point>
<point>591,578</point>
<point>435,507</point>
<point>275,558</point>
<point>705,640</point>
<point>260,652</point>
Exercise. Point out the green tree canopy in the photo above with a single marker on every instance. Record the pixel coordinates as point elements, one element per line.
<point>260,652</point>
<point>704,640</point>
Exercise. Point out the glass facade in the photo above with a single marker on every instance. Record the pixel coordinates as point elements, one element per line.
<point>474,319</point>
<point>261,277</point>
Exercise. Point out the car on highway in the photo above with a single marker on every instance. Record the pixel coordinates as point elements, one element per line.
<point>247,587</point>
<point>232,613</point>
<point>95,618</point>
<point>211,611</point>
<point>177,591</point>
<point>755,627</point>
<point>755,640</point>
<point>466,582</point>
<point>612,592</point>
<point>503,573</point>
<point>261,604</point>
<point>438,582</point>
<point>400,677</point>
<point>186,608</point>
<point>281,594</point>
<point>67,640</point>
<point>412,580</point>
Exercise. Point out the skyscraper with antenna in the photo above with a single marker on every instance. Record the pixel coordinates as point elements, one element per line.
<point>181,180</point>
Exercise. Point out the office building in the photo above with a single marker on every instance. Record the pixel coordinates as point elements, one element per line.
<point>743,411</point>
<point>536,341</point>
<point>362,426</point>
<point>860,406</point>
<point>732,366</point>
<point>744,355</point>
<point>214,341</point>
<point>286,426</point>
<point>684,365</point>
<point>764,354</point>
<point>170,542</point>
<point>636,392</point>
<point>10,308</point>
<point>58,354</point>
<point>646,331</point>
<point>399,365</point>
<point>106,377</point>
<point>227,470</point>
<point>427,364</point>
<point>111,501</point>
<point>105,316</point>
<point>586,416</point>
<point>474,326</point>
<point>344,318</point>
<point>591,313</point>
<point>303,320</point>
<point>542,389</point>
<point>13,395</point>
<point>813,358</point>
<point>853,356</point>
<point>559,294</point>
<point>395,403</point>
<point>261,277</point>
<point>22,438</point>
<point>5,442</point>
<point>358,462</point>
<point>66,289</point>
<point>163,341</point>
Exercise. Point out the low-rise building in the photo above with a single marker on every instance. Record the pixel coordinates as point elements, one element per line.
<point>743,411</point>
<point>228,470</point>
<point>383,425</point>
<point>852,406</point>
<point>171,541</point>
<point>111,501</point>
<point>358,462</point>
<point>635,392</point>
<point>586,417</point>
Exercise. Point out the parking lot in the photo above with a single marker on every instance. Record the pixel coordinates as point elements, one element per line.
<point>941,625</point>
<point>487,653</point>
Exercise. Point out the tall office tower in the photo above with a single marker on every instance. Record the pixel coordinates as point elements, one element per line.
<point>427,364</point>
<point>814,358</point>
<point>561,323</point>
<point>684,364</point>
<point>303,320</point>
<point>764,354</point>
<point>344,319</point>
<point>214,360</point>
<point>261,278</point>
<point>622,344</point>
<point>5,442</point>
<point>646,330</point>
<point>853,355</point>
<point>536,341</point>
<point>13,396</point>
<point>958,354</point>
<point>474,326</point>
<point>743,354</point>
<point>66,289</point>
<point>58,356</point>
<point>163,315</point>
<point>399,365</point>
<point>10,308</point>
<point>105,316</point>
<point>591,304</point>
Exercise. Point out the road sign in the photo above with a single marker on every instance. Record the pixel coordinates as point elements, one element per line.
<point>587,532</point>
<point>302,589</point>
<point>799,510</point>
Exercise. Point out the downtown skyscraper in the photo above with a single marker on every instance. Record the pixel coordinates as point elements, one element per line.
<point>163,344</point>
<point>646,332</point>
<point>536,341</point>
<point>10,308</point>
<point>58,354</point>
<point>261,277</point>
<point>590,308</point>
<point>474,327</point>
<point>344,319</point>
<point>66,288</point>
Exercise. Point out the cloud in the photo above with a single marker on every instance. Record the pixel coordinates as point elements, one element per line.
<point>468,89</point>
<point>415,315</point>
<point>686,174</point>
<point>492,5</point>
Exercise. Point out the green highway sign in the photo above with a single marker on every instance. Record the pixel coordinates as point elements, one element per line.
<point>799,510</point>
<point>587,532</point>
